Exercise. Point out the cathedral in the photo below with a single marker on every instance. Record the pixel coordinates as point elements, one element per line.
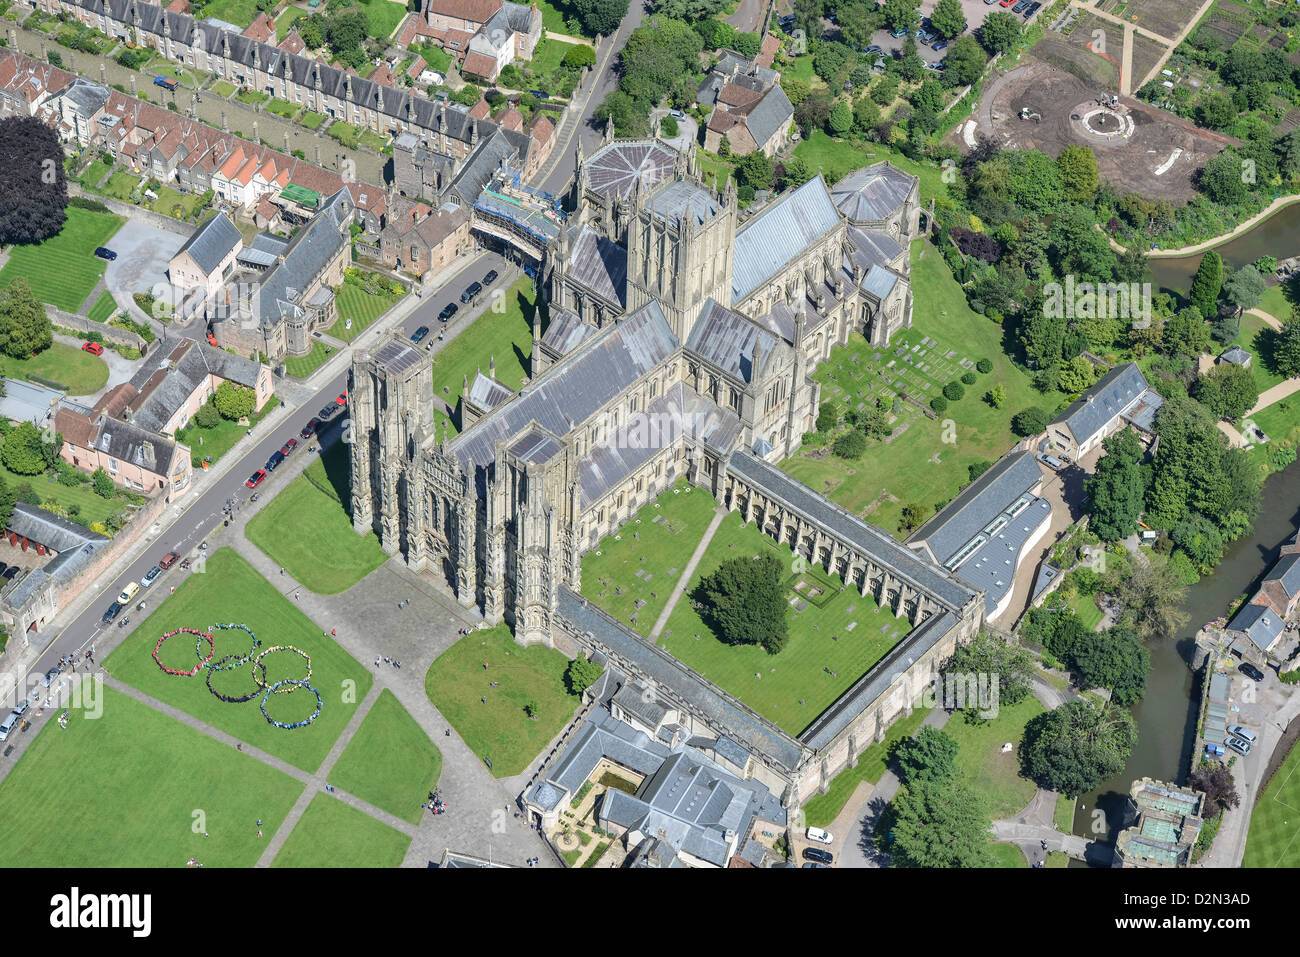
<point>682,335</point>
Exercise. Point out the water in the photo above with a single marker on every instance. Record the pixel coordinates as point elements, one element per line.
<point>1166,716</point>
<point>1281,231</point>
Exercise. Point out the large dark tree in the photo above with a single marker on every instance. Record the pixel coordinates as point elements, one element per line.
<point>931,754</point>
<point>25,329</point>
<point>34,187</point>
<point>1216,781</point>
<point>1117,486</point>
<point>1073,748</point>
<point>987,654</point>
<point>745,602</point>
<point>939,824</point>
<point>600,16</point>
<point>1113,659</point>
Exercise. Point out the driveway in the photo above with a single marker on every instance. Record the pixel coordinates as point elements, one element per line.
<point>143,252</point>
<point>686,130</point>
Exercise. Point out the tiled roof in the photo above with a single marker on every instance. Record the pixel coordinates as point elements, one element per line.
<point>873,193</point>
<point>782,231</point>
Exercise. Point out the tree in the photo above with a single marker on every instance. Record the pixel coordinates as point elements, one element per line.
<point>755,170</point>
<point>24,451</point>
<point>932,755</point>
<point>794,172</point>
<point>1227,390</point>
<point>828,416</point>
<point>579,54</point>
<point>311,31</point>
<point>1207,285</point>
<point>913,515</point>
<point>34,188</point>
<point>600,16</point>
<point>7,500</point>
<point>1152,596</point>
<point>857,21</point>
<point>987,654</point>
<point>939,824</point>
<point>745,601</point>
<point>207,416</point>
<point>901,14</point>
<point>626,113</point>
<point>996,396</point>
<point>1077,375</point>
<point>581,674</point>
<point>1221,178</point>
<point>1186,334</point>
<point>1216,781</point>
<point>102,483</point>
<point>964,62</point>
<point>1030,421</point>
<point>25,328</point>
<point>1215,110</point>
<point>1244,288</point>
<point>233,401</point>
<point>840,121</point>
<point>909,64</point>
<point>1113,659</point>
<point>851,445</point>
<point>746,44</point>
<point>948,19</point>
<point>1074,747</point>
<point>1000,32</point>
<point>1078,168</point>
<point>1117,488</point>
<point>1286,346</point>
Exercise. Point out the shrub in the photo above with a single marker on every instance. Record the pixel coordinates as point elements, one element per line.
<point>207,417</point>
<point>953,392</point>
<point>968,378</point>
<point>985,366</point>
<point>939,403</point>
<point>102,483</point>
<point>851,445</point>
<point>1029,421</point>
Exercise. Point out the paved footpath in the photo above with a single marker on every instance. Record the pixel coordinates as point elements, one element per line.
<point>719,514</point>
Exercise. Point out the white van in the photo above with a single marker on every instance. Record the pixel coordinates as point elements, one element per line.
<point>820,836</point>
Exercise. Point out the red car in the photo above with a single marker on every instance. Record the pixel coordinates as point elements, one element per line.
<point>1007,3</point>
<point>256,478</point>
<point>168,560</point>
<point>309,429</point>
<point>288,447</point>
<point>342,399</point>
<point>94,348</point>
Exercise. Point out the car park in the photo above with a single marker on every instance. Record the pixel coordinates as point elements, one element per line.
<point>820,835</point>
<point>490,278</point>
<point>1238,745</point>
<point>103,252</point>
<point>168,560</point>
<point>899,34</point>
<point>7,726</point>
<point>1250,671</point>
<point>418,335</point>
<point>256,478</point>
<point>448,311</point>
<point>288,447</point>
<point>128,592</point>
<point>1238,731</point>
<point>817,855</point>
<point>94,348</point>
<point>309,429</point>
<point>111,612</point>
<point>151,576</point>
<point>472,290</point>
<point>274,461</point>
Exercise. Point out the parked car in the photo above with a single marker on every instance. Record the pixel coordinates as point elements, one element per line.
<point>50,676</point>
<point>540,94</point>
<point>1020,5</point>
<point>1238,745</point>
<point>168,560</point>
<point>874,48</point>
<point>1051,461</point>
<point>939,45</point>
<point>936,65</point>
<point>819,856</point>
<point>809,865</point>
<point>274,461</point>
<point>111,612</point>
<point>820,835</point>
<point>7,726</point>
<point>309,429</point>
<point>989,3</point>
<point>256,478</point>
<point>165,82</point>
<point>448,311</point>
<point>1240,732</point>
<point>1033,8</point>
<point>288,447</point>
<point>1250,671</point>
<point>899,33</point>
<point>94,348</point>
<point>472,290</point>
<point>677,114</point>
<point>326,413</point>
<point>341,399</point>
<point>418,335</point>
<point>128,592</point>
<point>103,252</point>
<point>22,707</point>
<point>1007,3</point>
<point>151,576</point>
<point>490,278</point>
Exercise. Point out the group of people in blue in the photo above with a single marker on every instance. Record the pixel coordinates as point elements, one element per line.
<point>253,657</point>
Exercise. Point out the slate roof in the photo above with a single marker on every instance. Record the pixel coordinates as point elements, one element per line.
<point>309,251</point>
<point>1236,355</point>
<point>1112,395</point>
<point>600,265</point>
<point>56,533</point>
<point>671,678</point>
<point>604,736</point>
<point>880,282</point>
<point>615,169</point>
<point>212,242</point>
<point>873,193</point>
<point>769,114</point>
<point>1286,571</point>
<point>681,199</point>
<point>728,339</point>
<point>165,382</point>
<point>992,566</point>
<point>1260,623</point>
<point>127,442</point>
<point>566,331</point>
<point>486,392</point>
<point>780,233</point>
<point>1011,477</point>
<point>873,247</point>
<point>28,402</point>
<point>574,388</point>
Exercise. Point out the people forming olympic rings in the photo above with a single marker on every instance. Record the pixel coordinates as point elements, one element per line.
<point>201,636</point>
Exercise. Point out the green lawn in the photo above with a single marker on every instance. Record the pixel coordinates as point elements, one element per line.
<point>713,171</point>
<point>609,571</point>
<point>121,186</point>
<point>361,307</point>
<point>223,89</point>
<point>548,55</point>
<point>1278,300</point>
<point>324,553</point>
<point>500,731</point>
<point>175,204</point>
<point>1086,608</point>
<point>77,371</point>
<point>284,22</point>
<point>220,439</point>
<point>793,687</point>
<point>384,16</point>
<point>435,57</point>
<point>137,789</point>
<point>94,173</point>
<point>333,834</point>
<point>91,507</point>
<point>506,335</point>
<point>252,97</point>
<point>1006,855</point>
<point>374,141</point>
<point>103,308</point>
<point>239,12</point>
<point>63,270</point>
<point>282,108</point>
<point>990,771</point>
<point>554,18</point>
<point>1271,841</point>
<point>837,157</point>
<point>302,366</point>
<point>311,120</point>
<point>390,762</point>
<point>229,589</point>
<point>872,764</point>
<point>1064,815</point>
<point>905,471</point>
<point>347,134</point>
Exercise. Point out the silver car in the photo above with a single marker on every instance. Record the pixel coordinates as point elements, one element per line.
<point>1238,745</point>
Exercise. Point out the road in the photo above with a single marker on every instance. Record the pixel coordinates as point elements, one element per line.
<point>207,512</point>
